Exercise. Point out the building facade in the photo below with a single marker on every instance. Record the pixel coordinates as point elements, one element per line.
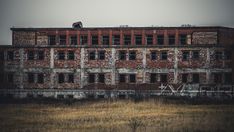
<point>117,58</point>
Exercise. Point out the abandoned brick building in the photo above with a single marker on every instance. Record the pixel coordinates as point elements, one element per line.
<point>72,61</point>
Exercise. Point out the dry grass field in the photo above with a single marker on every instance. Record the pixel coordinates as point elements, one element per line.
<point>115,116</point>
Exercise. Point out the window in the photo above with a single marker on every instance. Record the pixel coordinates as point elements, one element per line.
<point>30,55</point>
<point>184,78</point>
<point>163,78</point>
<point>2,55</point>
<point>195,54</point>
<point>91,78</point>
<point>185,55</point>
<point>127,39</point>
<point>95,40</point>
<point>61,78</point>
<point>183,39</point>
<point>164,55</point>
<point>61,55</point>
<point>160,39</point>
<point>228,77</point>
<point>73,40</point>
<point>83,39</point>
<point>218,55</point>
<point>51,39</point>
<point>101,78</point>
<point>70,78</point>
<point>171,39</point>
<point>71,55</point>
<point>40,55</point>
<point>132,55</point>
<point>149,39</point>
<point>116,39</point>
<point>91,55</point>
<point>40,78</point>
<point>153,78</point>
<point>30,78</point>
<point>10,77</point>
<point>122,55</point>
<point>101,55</point>
<point>1,77</point>
<point>105,40</point>
<point>153,55</point>
<point>227,55</point>
<point>132,78</point>
<point>138,39</point>
<point>10,55</point>
<point>196,78</point>
<point>62,39</point>
<point>217,77</point>
<point>122,78</point>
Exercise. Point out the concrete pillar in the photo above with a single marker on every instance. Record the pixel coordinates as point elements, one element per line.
<point>207,65</point>
<point>52,73</point>
<point>21,73</point>
<point>113,70</point>
<point>82,77</point>
<point>176,65</point>
<point>144,64</point>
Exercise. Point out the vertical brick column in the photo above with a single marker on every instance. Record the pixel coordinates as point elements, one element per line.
<point>113,70</point>
<point>175,65</point>
<point>143,37</point>
<point>21,73</point>
<point>132,38</point>
<point>56,38</point>
<point>177,37</point>
<point>110,37</point>
<point>82,73</point>
<point>67,37</point>
<point>144,65</point>
<point>99,37</point>
<point>52,72</point>
<point>154,37</point>
<point>165,37</point>
<point>121,37</point>
<point>89,38</point>
<point>207,65</point>
<point>78,37</point>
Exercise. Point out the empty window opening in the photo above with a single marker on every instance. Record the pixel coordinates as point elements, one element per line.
<point>183,39</point>
<point>105,40</point>
<point>149,39</point>
<point>40,55</point>
<point>73,40</point>
<point>83,39</point>
<point>94,40</point>
<point>91,55</point>
<point>101,55</point>
<point>70,78</point>
<point>217,78</point>
<point>228,78</point>
<point>30,78</point>
<point>153,78</point>
<point>185,55</point>
<point>51,39</point>
<point>61,78</point>
<point>101,78</point>
<point>184,78</point>
<point>132,55</point>
<point>195,54</point>
<point>228,55</point>
<point>30,55</point>
<point>132,78</point>
<point>10,77</point>
<point>195,78</point>
<point>163,78</point>
<point>138,39</point>
<point>2,55</point>
<point>122,55</point>
<point>71,55</point>
<point>160,39</point>
<point>164,55</point>
<point>1,77</point>
<point>218,55</point>
<point>116,39</point>
<point>127,39</point>
<point>91,78</point>
<point>171,39</point>
<point>40,78</point>
<point>153,55</point>
<point>10,55</point>
<point>61,55</point>
<point>122,78</point>
<point>62,39</point>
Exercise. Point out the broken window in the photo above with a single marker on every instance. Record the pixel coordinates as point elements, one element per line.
<point>195,78</point>
<point>153,55</point>
<point>122,78</point>
<point>149,39</point>
<point>73,40</point>
<point>40,55</point>
<point>127,39</point>
<point>61,55</point>
<point>10,55</point>
<point>132,55</point>
<point>10,77</point>
<point>30,78</point>
<point>30,55</point>
<point>218,55</point>
<point>132,78</point>
<point>163,78</point>
<point>228,78</point>
<point>160,39</point>
<point>91,55</point>
<point>83,39</point>
<point>101,55</point>
<point>62,39</point>
<point>91,78</point>
<point>94,40</point>
<point>164,55</point>
<point>171,39</point>
<point>101,78</point>
<point>217,77</point>
<point>184,78</point>
<point>153,78</point>
<point>227,55</point>
<point>105,40</point>
<point>51,39</point>
<point>183,39</point>
<point>40,78</point>
<point>116,39</point>
<point>61,78</point>
<point>70,78</point>
<point>185,55</point>
<point>122,55</point>
<point>71,55</point>
<point>195,54</point>
<point>138,39</point>
<point>2,55</point>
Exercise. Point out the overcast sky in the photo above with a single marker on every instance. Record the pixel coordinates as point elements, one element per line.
<point>94,13</point>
